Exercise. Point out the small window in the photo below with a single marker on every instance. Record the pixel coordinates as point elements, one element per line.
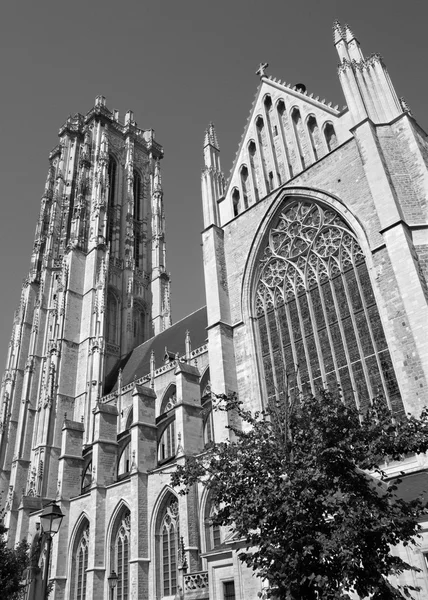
<point>124,461</point>
<point>228,590</point>
<point>87,478</point>
<point>167,443</point>
<point>275,130</point>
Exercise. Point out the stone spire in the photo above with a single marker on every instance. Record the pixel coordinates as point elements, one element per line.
<point>212,176</point>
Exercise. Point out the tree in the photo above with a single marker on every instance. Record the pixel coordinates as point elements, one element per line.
<point>13,563</point>
<point>301,485</point>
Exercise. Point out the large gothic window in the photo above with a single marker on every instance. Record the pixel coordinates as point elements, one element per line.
<point>168,548</point>
<point>317,316</point>
<point>80,562</point>
<point>121,536</point>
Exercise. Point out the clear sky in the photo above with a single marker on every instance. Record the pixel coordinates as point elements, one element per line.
<point>178,64</point>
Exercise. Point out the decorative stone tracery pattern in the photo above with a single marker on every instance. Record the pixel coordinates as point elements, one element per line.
<point>317,315</point>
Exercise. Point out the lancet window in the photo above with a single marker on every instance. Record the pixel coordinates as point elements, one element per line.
<point>112,317</point>
<point>213,538</point>
<point>317,316</point>
<point>330,137</point>
<point>314,134</point>
<point>236,202</point>
<point>112,171</point>
<point>122,534</point>
<point>80,563</point>
<point>169,532</point>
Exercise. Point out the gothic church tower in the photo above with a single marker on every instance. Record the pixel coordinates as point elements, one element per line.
<point>97,288</point>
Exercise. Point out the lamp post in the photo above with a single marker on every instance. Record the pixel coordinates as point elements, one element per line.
<point>112,582</point>
<point>50,519</point>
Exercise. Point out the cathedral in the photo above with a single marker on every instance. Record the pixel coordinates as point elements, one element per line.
<point>316,273</point>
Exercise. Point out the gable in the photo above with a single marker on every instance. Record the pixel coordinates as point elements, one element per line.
<point>288,130</point>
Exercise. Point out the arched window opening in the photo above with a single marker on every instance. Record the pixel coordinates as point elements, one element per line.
<point>264,149</point>
<point>167,444</point>
<point>330,136</point>
<point>213,533</point>
<point>112,317</point>
<point>252,154</point>
<point>274,144</point>
<point>245,187</point>
<point>120,558</point>
<point>168,544</point>
<point>139,321</point>
<point>169,400</point>
<point>300,137</point>
<point>87,478</point>
<point>317,316</point>
<point>137,196</point>
<point>207,410</point>
<point>124,462</point>
<point>290,155</point>
<point>314,135</point>
<point>80,562</point>
<point>112,171</point>
<point>129,419</point>
<point>235,202</point>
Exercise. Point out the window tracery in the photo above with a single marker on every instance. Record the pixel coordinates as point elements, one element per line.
<point>80,563</point>
<point>169,542</point>
<point>317,315</point>
<point>121,555</point>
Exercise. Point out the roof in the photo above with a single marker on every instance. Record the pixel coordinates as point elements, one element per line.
<point>137,363</point>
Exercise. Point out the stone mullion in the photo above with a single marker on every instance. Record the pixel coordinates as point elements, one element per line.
<point>278,326</point>
<point>292,340</point>
<point>308,362</point>
<point>329,335</point>
<point>345,347</point>
<point>316,337</point>
<point>275,382</point>
<point>369,325</point>
<point>357,334</point>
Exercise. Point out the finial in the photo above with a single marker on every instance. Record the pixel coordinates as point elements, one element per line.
<point>212,136</point>
<point>349,35</point>
<point>337,32</point>
<point>261,70</point>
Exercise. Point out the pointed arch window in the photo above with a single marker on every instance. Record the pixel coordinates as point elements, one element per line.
<point>112,176</point>
<point>207,409</point>
<point>112,317</point>
<point>139,322</point>
<point>120,558</point>
<point>245,187</point>
<point>314,135</point>
<point>80,562</point>
<point>124,462</point>
<point>87,478</point>
<point>236,202</point>
<point>213,534</point>
<point>137,196</point>
<point>317,316</point>
<point>168,543</point>
<point>330,136</point>
<point>299,136</point>
<point>252,155</point>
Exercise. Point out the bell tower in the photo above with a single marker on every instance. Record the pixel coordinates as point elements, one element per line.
<point>97,288</point>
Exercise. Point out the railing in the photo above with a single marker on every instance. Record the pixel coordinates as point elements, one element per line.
<point>196,586</point>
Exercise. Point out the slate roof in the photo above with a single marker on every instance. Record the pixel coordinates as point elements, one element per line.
<point>137,363</point>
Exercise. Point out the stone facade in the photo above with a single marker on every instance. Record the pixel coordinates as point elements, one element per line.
<point>315,262</point>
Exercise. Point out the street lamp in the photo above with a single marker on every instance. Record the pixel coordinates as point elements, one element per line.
<point>50,519</point>
<point>112,582</point>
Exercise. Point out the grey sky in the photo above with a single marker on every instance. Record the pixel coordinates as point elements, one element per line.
<point>177,64</point>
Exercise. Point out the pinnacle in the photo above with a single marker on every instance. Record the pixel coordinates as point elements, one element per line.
<point>338,32</point>
<point>210,138</point>
<point>349,34</point>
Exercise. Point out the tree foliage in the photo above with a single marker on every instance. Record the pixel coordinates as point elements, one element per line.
<point>13,563</point>
<point>293,485</point>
